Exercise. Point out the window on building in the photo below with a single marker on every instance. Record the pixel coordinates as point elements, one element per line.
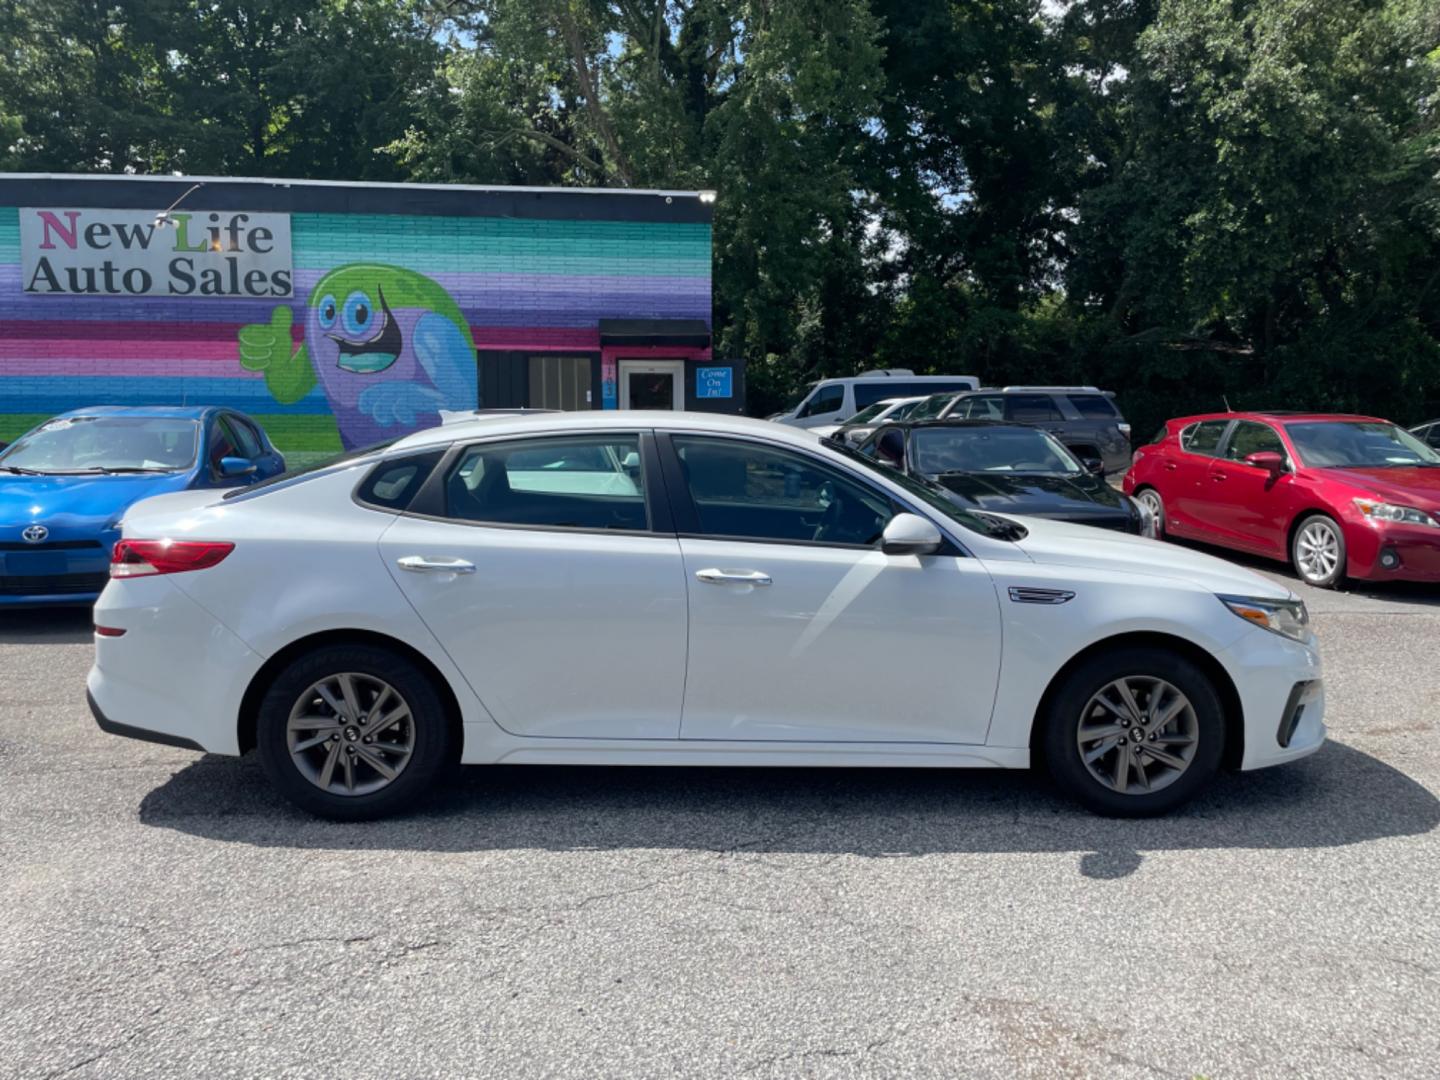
<point>560,382</point>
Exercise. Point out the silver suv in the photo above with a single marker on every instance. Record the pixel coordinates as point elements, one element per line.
<point>1084,418</point>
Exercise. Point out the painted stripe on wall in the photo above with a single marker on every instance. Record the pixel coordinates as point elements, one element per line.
<point>45,395</point>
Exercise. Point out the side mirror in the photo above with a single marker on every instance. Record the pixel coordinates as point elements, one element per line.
<point>1268,460</point>
<point>231,467</point>
<point>1093,465</point>
<point>631,461</point>
<point>910,534</point>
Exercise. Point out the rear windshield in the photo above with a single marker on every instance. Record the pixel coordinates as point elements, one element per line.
<point>307,472</point>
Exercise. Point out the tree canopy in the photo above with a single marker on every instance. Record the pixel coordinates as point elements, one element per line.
<point>1188,201</point>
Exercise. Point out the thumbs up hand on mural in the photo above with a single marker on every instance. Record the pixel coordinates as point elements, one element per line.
<point>263,343</point>
<point>266,347</point>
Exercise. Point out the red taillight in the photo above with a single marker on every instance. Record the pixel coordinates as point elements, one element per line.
<point>109,631</point>
<point>137,558</point>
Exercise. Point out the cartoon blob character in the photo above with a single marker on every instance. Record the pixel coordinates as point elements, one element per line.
<point>389,346</point>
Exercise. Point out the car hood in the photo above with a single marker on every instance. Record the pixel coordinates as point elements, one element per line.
<point>1041,496</point>
<point>1407,486</point>
<point>27,499</point>
<point>1057,543</point>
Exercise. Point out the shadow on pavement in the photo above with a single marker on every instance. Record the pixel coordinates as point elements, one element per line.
<point>46,626</point>
<point>1340,796</point>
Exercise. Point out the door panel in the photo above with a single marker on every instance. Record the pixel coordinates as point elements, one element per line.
<point>558,633</point>
<point>1187,489</point>
<point>844,645</point>
<point>565,616</point>
<point>1245,506</point>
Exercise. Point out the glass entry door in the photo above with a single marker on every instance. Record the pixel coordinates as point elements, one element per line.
<point>652,384</point>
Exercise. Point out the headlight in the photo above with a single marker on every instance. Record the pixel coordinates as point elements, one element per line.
<point>1383,511</point>
<point>1287,618</point>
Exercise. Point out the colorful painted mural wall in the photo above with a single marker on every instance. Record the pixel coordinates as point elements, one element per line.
<point>381,330</point>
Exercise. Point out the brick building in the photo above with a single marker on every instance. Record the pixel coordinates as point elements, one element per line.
<point>340,313</point>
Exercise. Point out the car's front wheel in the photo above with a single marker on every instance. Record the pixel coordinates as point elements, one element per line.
<point>1133,732</point>
<point>1317,551</point>
<point>353,732</point>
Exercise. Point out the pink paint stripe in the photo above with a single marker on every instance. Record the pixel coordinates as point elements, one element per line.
<point>539,339</point>
<point>108,363</point>
<point>123,350</point>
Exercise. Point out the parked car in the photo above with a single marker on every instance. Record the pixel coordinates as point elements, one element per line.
<point>65,485</point>
<point>833,401</point>
<point>1429,434</point>
<point>755,597</point>
<point>1335,495</point>
<point>1085,419</point>
<point>858,428</point>
<point>1010,468</point>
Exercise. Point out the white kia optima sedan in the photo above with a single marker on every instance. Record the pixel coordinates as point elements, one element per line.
<point>680,589</point>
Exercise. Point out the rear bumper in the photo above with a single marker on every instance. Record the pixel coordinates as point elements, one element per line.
<point>112,727</point>
<point>176,676</point>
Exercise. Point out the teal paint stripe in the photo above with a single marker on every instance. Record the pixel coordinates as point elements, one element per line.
<point>454,262</point>
<point>9,234</point>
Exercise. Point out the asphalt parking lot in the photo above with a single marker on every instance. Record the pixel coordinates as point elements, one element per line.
<point>163,914</point>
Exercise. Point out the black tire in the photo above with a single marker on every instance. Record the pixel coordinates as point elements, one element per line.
<point>432,746</point>
<point>1157,506</point>
<point>1068,707</point>
<point>1302,565</point>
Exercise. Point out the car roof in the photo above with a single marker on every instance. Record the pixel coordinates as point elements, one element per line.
<point>1279,416</point>
<point>173,412</point>
<point>559,423</point>
<point>946,422</point>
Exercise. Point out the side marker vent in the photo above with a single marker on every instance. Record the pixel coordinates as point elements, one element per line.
<point>1023,594</point>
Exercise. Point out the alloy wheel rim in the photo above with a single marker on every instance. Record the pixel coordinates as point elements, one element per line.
<point>1152,503</point>
<point>1137,734</point>
<point>350,734</point>
<point>1317,551</point>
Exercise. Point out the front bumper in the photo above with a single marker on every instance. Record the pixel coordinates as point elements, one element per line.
<point>1274,677</point>
<point>1392,551</point>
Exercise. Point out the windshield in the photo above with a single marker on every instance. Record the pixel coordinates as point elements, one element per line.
<point>105,444</point>
<point>934,496</point>
<point>989,450</point>
<point>869,412</point>
<point>931,407</point>
<point>1364,444</point>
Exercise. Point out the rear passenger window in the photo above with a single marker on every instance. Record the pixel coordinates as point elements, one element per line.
<point>590,483</point>
<point>1094,406</point>
<point>1031,408</point>
<point>392,485</point>
<point>1204,437</point>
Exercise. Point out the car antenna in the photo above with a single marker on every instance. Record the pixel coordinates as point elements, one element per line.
<point>1226,400</point>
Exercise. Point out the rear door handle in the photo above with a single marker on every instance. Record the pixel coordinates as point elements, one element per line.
<point>733,577</point>
<point>421,564</point>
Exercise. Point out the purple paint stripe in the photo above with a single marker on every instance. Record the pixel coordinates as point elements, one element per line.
<point>100,364</point>
<point>491,299</point>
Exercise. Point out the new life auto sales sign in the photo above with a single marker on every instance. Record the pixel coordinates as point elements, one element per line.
<point>202,253</point>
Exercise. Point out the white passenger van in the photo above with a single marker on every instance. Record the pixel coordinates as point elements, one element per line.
<point>833,401</point>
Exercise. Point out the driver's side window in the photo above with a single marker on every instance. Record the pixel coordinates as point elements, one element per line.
<point>749,491</point>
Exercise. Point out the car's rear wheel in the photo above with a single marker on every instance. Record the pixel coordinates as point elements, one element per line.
<point>353,732</point>
<point>1151,500</point>
<point>1134,732</point>
<point>1317,551</point>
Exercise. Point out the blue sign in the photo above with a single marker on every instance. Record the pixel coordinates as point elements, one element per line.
<point>714,382</point>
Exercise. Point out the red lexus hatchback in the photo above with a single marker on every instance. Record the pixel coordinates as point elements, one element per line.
<point>1337,496</point>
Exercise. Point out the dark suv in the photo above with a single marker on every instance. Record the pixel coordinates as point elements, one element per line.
<point>1085,419</point>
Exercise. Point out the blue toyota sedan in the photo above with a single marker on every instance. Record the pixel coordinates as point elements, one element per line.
<point>65,485</point>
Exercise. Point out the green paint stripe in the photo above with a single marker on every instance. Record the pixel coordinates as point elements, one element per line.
<point>13,425</point>
<point>301,434</point>
<point>9,234</point>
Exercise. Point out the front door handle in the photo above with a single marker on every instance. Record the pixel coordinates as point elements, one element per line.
<point>733,577</point>
<point>421,564</point>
